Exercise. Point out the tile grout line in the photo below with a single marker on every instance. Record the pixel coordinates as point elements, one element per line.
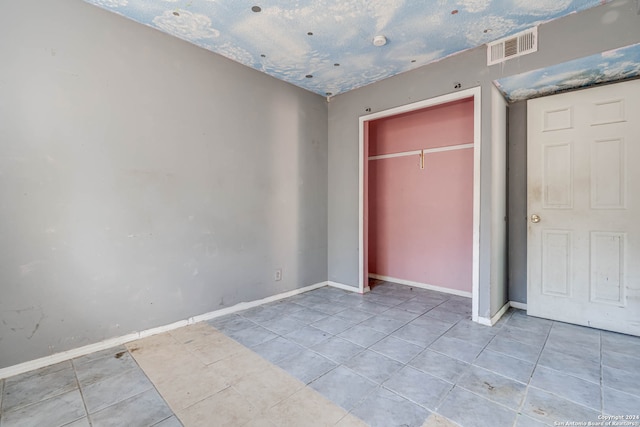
<point>248,402</point>
<point>512,356</point>
<point>365,397</point>
<point>181,345</point>
<point>550,392</point>
<point>471,365</point>
<point>153,386</point>
<point>437,406</point>
<point>601,375</point>
<point>441,401</point>
<point>125,372</point>
<point>502,405</point>
<point>201,400</point>
<point>84,402</point>
<point>535,366</point>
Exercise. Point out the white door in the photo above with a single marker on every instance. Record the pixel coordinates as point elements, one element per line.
<point>584,207</point>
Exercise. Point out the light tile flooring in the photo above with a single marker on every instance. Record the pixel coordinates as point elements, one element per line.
<point>397,356</point>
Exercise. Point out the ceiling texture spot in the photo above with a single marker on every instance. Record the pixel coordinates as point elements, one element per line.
<point>423,31</point>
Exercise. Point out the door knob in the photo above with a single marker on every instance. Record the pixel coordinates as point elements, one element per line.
<point>535,218</point>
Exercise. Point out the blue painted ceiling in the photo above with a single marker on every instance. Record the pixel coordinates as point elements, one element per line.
<point>325,46</point>
<point>606,67</point>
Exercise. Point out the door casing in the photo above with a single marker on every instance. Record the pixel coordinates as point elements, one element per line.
<point>362,175</point>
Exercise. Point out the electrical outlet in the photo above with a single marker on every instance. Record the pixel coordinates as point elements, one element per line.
<point>278,275</point>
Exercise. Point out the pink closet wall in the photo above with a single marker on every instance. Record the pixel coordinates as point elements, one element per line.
<point>420,221</point>
<point>442,125</point>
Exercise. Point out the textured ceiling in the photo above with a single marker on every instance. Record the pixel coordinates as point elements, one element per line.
<point>326,46</point>
<point>606,67</point>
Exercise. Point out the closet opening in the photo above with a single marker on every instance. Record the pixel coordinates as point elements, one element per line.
<point>419,195</point>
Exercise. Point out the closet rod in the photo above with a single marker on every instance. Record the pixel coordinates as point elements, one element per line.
<point>390,156</point>
<point>425,151</point>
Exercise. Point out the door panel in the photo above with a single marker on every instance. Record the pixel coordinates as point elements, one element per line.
<point>557,178</point>
<point>583,253</point>
<point>556,263</point>
<point>607,268</point>
<point>608,174</point>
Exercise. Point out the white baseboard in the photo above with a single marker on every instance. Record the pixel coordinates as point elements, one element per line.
<point>244,305</point>
<point>66,355</point>
<point>494,319</point>
<point>421,285</point>
<point>518,305</point>
<point>347,287</point>
<point>484,321</point>
<point>112,342</point>
<point>501,312</point>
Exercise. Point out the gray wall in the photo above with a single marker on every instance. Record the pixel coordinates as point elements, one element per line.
<point>144,180</point>
<point>602,28</point>
<point>517,206</point>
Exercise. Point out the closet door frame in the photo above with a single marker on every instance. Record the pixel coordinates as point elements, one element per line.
<point>474,93</point>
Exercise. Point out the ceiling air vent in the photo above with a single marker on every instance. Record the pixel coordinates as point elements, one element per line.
<point>512,46</point>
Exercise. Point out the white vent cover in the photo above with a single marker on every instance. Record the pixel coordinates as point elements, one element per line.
<point>512,46</point>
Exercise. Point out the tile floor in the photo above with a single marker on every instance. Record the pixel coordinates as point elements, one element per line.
<point>106,388</point>
<point>395,356</point>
